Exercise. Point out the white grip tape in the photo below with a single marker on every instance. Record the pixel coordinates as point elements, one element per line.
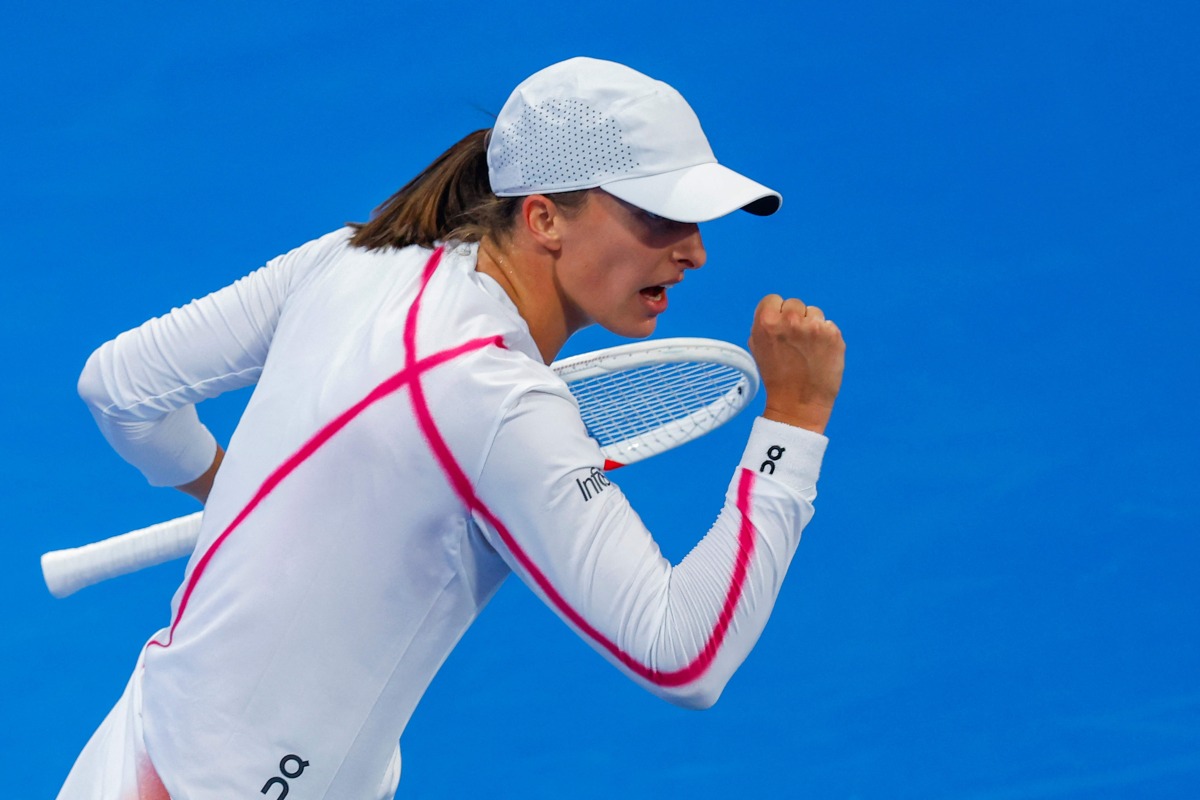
<point>68,571</point>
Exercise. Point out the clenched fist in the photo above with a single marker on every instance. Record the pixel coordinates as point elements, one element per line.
<point>800,356</point>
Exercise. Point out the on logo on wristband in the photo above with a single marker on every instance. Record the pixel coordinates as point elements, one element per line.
<point>774,453</point>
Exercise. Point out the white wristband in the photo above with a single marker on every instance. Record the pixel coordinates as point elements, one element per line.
<point>786,454</point>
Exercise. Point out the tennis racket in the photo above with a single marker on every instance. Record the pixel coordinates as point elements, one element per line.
<point>637,400</point>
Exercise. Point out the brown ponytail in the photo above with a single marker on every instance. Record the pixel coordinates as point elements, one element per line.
<point>451,200</point>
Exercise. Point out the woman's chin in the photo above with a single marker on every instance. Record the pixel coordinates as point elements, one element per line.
<point>633,329</point>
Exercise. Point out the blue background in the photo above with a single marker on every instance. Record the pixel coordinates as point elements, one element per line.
<point>996,202</point>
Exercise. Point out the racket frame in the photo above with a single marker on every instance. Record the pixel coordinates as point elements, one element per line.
<point>682,350</point>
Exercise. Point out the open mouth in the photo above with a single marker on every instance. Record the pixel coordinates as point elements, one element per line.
<point>654,293</point>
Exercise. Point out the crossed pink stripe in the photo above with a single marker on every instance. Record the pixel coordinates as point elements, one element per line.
<point>410,377</point>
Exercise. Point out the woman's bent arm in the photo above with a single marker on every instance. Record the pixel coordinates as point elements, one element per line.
<point>680,631</point>
<point>142,386</point>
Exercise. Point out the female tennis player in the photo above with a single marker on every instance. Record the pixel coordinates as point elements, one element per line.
<point>406,447</point>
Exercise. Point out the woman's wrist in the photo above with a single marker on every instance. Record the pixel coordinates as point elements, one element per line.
<point>201,487</point>
<point>812,418</point>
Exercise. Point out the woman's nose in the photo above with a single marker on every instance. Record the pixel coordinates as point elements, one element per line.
<point>689,251</point>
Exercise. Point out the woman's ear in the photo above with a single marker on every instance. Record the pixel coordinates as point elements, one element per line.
<point>543,221</point>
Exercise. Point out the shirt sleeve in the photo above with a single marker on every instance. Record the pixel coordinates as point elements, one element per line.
<point>570,534</point>
<point>142,387</point>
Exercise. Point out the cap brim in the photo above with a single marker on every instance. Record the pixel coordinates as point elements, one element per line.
<point>696,194</point>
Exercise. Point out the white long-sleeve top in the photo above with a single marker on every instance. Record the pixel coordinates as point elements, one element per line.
<point>405,449</point>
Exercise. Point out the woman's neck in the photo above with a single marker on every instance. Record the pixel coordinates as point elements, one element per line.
<point>527,278</point>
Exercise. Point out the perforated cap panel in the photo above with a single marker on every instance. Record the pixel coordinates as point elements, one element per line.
<point>536,142</point>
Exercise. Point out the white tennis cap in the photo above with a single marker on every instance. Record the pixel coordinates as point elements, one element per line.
<point>585,123</point>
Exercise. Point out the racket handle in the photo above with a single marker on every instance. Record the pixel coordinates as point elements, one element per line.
<point>68,571</point>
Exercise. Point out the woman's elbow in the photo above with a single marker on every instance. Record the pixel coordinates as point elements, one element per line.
<point>698,696</point>
<point>91,386</point>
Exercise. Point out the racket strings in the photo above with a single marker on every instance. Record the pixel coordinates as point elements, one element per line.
<point>622,405</point>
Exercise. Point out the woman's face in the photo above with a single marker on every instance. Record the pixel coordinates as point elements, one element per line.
<point>617,263</point>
